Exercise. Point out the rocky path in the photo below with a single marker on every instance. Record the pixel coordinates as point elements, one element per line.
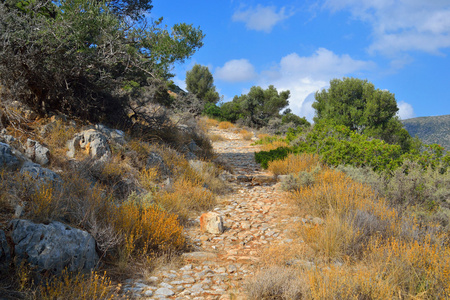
<point>253,219</point>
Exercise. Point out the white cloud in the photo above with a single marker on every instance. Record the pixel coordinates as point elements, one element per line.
<point>303,76</point>
<point>402,25</point>
<point>405,110</point>
<point>237,70</point>
<point>261,18</point>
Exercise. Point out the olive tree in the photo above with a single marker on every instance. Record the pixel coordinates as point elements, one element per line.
<point>82,57</point>
<point>358,105</point>
<point>200,82</point>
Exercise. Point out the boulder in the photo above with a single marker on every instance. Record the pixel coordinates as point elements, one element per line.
<point>5,253</point>
<point>53,247</point>
<point>37,153</point>
<point>211,222</point>
<point>93,142</point>
<point>155,160</point>
<point>5,137</point>
<point>7,158</point>
<point>113,135</point>
<point>40,173</point>
<point>263,179</point>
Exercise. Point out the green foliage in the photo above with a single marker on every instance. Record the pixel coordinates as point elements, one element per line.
<point>290,118</point>
<point>264,157</point>
<point>200,82</point>
<point>212,110</point>
<point>84,58</point>
<point>356,104</point>
<point>339,145</point>
<point>258,107</point>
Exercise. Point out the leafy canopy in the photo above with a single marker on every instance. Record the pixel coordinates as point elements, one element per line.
<point>81,57</point>
<point>200,82</point>
<point>356,104</point>
<point>257,107</point>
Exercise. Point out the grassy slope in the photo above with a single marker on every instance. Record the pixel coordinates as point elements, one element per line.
<point>431,130</point>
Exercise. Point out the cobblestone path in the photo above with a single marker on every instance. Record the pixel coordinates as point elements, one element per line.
<point>253,219</point>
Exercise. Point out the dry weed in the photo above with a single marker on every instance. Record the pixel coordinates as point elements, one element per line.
<point>79,286</point>
<point>246,135</point>
<point>216,138</point>
<point>184,198</point>
<point>226,125</point>
<point>294,164</point>
<point>272,145</point>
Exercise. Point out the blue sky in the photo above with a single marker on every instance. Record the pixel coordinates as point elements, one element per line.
<point>399,45</point>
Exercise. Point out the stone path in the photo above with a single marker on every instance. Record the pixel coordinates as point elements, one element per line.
<point>220,264</point>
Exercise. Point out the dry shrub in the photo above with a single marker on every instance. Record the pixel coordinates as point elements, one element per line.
<point>331,240</point>
<point>225,125</point>
<point>206,123</point>
<point>246,135</point>
<point>216,138</point>
<point>335,192</point>
<point>262,136</point>
<point>184,197</point>
<point>44,204</point>
<point>294,164</point>
<point>147,178</point>
<point>272,145</point>
<point>78,286</point>
<point>58,135</point>
<point>343,282</point>
<point>393,269</point>
<point>146,230</point>
<point>275,283</point>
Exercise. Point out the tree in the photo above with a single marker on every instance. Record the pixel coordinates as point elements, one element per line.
<point>258,106</point>
<point>200,82</point>
<point>81,57</point>
<point>356,104</point>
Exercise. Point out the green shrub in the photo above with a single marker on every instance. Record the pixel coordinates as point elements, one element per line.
<point>264,157</point>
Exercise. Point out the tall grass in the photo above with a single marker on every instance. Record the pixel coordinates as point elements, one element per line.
<point>365,248</point>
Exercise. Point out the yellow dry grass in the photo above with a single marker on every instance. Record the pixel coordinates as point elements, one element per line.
<point>226,125</point>
<point>294,163</point>
<point>365,249</point>
<point>246,135</point>
<point>273,145</point>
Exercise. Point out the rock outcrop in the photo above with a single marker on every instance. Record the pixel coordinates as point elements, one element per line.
<point>211,222</point>
<point>91,141</point>
<point>7,158</point>
<point>53,247</point>
<point>5,252</point>
<point>38,172</point>
<point>37,153</point>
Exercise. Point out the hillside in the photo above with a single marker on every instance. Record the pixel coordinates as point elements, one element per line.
<point>431,130</point>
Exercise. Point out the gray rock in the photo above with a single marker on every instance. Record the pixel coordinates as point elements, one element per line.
<point>164,292</point>
<point>5,137</point>
<point>199,255</point>
<point>243,178</point>
<point>38,172</point>
<point>7,158</point>
<point>53,247</point>
<point>211,222</point>
<point>155,160</point>
<point>92,141</point>
<point>37,153</point>
<point>193,147</point>
<point>113,135</point>
<point>5,253</point>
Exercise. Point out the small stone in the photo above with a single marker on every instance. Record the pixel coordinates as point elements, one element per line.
<point>164,292</point>
<point>211,222</point>
<point>148,293</point>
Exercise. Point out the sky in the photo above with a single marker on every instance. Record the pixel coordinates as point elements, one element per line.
<point>402,46</point>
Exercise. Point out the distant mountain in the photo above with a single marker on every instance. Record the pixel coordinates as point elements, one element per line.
<point>431,130</point>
